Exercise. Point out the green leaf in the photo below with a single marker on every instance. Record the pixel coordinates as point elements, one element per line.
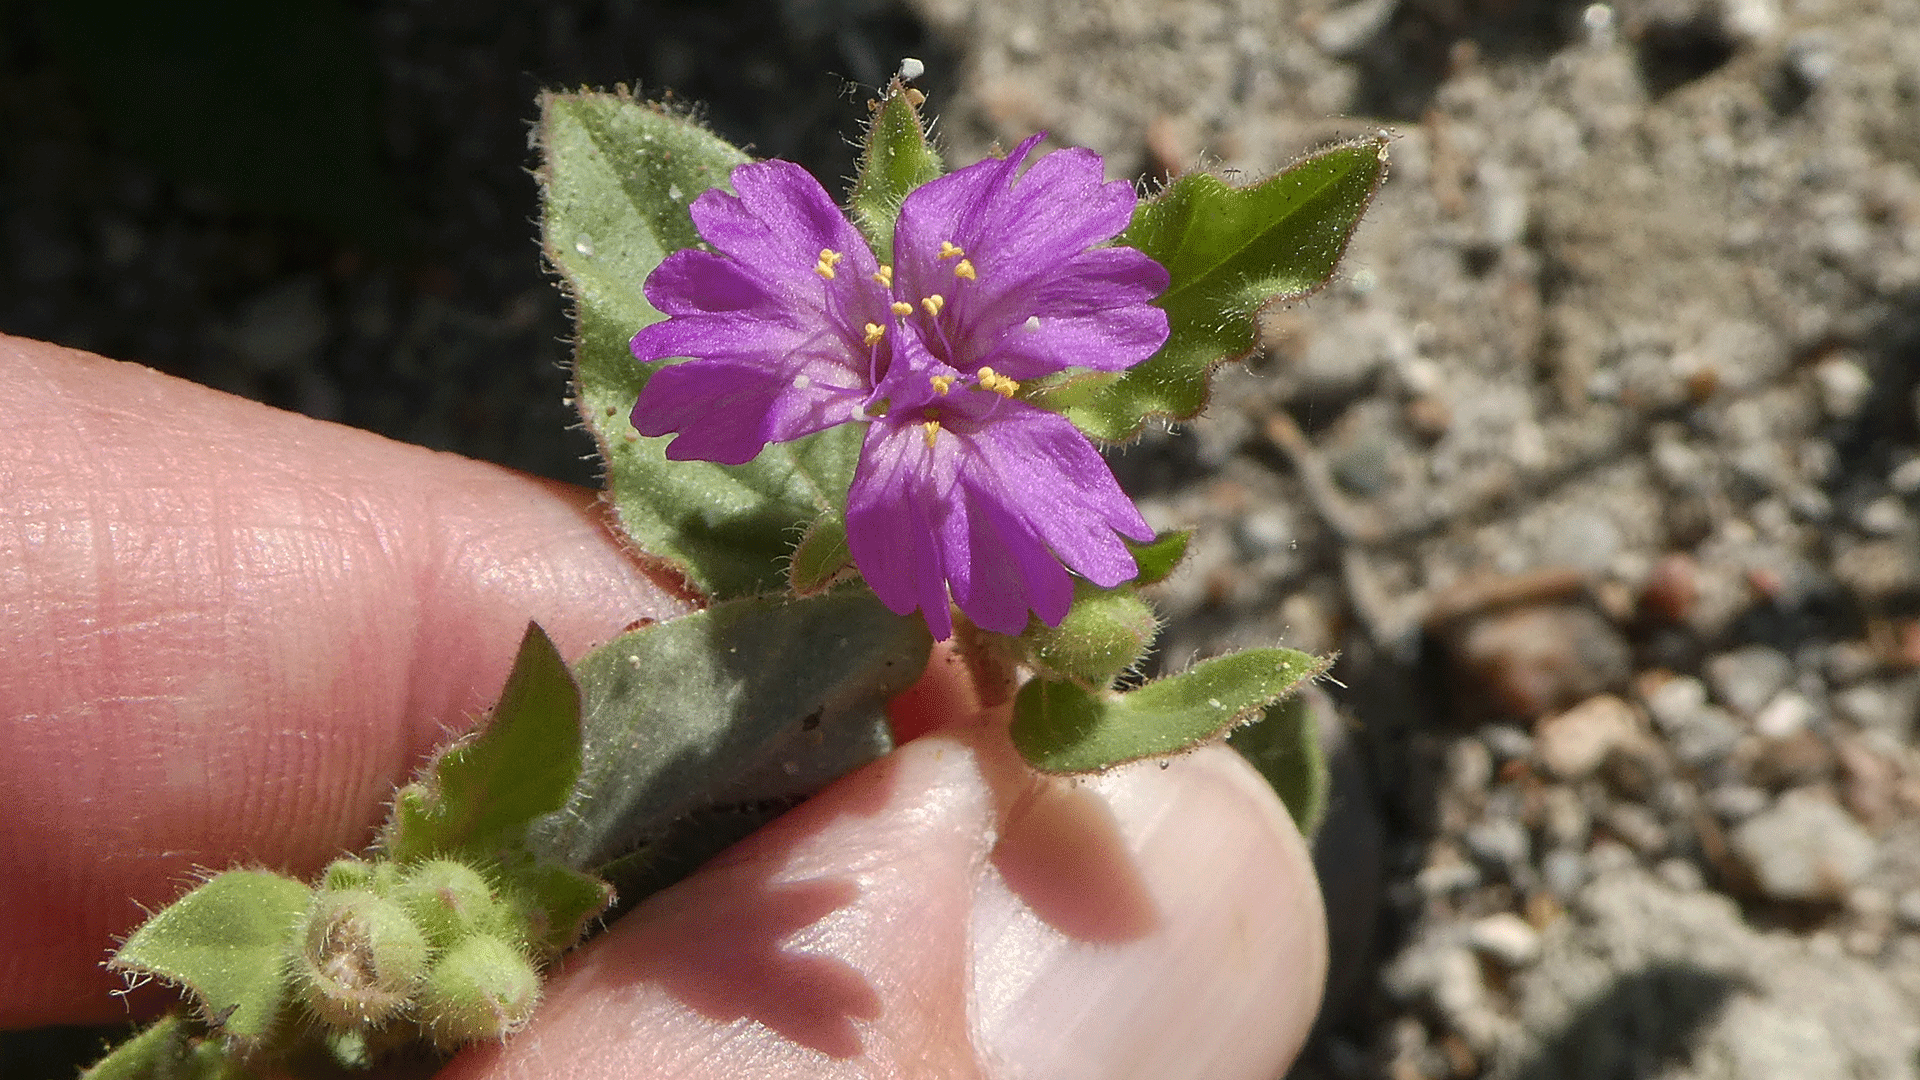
<point>1060,727</point>
<point>1230,251</point>
<point>1158,557</point>
<point>898,158</point>
<point>616,179</point>
<point>171,1048</point>
<point>1285,747</point>
<point>559,903</point>
<point>226,942</point>
<point>821,558</point>
<point>479,796</point>
<point>1105,633</point>
<point>747,701</point>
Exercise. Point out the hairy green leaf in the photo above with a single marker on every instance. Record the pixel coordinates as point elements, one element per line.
<point>479,796</point>
<point>227,943</point>
<point>1230,251</point>
<point>1060,727</point>
<point>616,178</point>
<point>897,159</point>
<point>170,1048</point>
<point>745,702</point>
<point>1285,747</point>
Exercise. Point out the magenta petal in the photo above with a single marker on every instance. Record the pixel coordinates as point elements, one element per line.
<point>1062,489</point>
<point>729,411</point>
<point>998,568</point>
<point>892,512</point>
<point>1085,316</point>
<point>777,223</point>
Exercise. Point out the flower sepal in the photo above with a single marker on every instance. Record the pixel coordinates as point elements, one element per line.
<point>896,157</point>
<point>821,559</point>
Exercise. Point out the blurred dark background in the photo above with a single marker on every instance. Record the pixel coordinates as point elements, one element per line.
<point>326,205</point>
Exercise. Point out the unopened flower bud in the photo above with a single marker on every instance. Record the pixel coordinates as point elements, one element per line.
<point>361,958</point>
<point>1103,634</point>
<point>482,988</point>
<point>450,900</point>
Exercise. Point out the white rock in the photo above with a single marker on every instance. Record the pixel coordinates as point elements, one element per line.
<point>1804,848</point>
<point>1507,938</point>
<point>1573,744</point>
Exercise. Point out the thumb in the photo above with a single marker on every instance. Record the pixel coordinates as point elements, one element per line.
<point>946,913</point>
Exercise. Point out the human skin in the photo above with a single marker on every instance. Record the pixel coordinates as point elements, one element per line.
<point>226,633</point>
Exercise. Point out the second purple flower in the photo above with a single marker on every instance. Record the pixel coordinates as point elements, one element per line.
<point>962,491</point>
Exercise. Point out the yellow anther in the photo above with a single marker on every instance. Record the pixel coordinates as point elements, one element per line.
<point>932,304</point>
<point>949,250</point>
<point>874,333</point>
<point>998,383</point>
<point>828,259</point>
<point>963,269</point>
<point>885,276</point>
<point>932,428</point>
<point>901,307</point>
<point>941,383</point>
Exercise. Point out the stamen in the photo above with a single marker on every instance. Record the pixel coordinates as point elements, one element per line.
<point>964,269</point>
<point>885,276</point>
<point>941,383</point>
<point>829,258</point>
<point>998,383</point>
<point>1032,325</point>
<point>901,307</point>
<point>932,428</point>
<point>949,250</point>
<point>933,304</point>
<point>875,332</point>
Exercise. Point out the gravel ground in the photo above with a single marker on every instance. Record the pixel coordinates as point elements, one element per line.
<point>1598,465</point>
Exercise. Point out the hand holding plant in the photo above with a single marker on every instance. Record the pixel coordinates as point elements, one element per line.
<point>912,394</point>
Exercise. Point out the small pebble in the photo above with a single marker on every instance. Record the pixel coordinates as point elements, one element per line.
<point>1507,742</point>
<point>1573,744</point>
<point>1798,760</point>
<point>1636,825</point>
<point>1907,909</point>
<point>1803,849</point>
<point>1879,706</point>
<point>1787,714</point>
<point>1564,872</point>
<point>1499,843</point>
<point>1905,477</point>
<point>1505,937</point>
<point>1737,802</point>
<point>1844,386</point>
<point>1529,661</point>
<point>1884,516</point>
<point>1746,679</point>
<point>1682,874</point>
<point>1469,768</point>
<point>1564,820</point>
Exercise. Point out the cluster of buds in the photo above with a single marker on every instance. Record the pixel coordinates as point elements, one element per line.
<point>432,948</point>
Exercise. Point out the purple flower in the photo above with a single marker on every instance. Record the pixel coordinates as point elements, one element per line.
<point>962,489</point>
